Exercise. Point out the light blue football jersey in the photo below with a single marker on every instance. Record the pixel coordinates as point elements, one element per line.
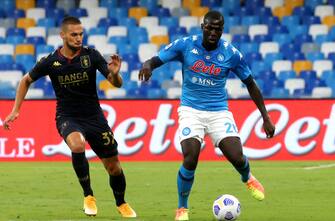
<point>205,72</point>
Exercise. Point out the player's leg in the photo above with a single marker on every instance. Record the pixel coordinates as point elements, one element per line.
<point>191,150</point>
<point>231,147</point>
<point>117,182</point>
<point>71,131</point>
<point>76,142</point>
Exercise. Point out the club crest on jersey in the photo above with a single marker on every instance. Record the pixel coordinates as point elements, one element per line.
<point>200,66</point>
<point>220,57</point>
<point>85,61</point>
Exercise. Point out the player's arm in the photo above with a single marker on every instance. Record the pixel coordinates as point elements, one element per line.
<point>148,67</point>
<point>21,92</point>
<point>114,66</point>
<point>257,97</point>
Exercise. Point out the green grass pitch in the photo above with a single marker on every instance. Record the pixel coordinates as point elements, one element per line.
<point>295,191</point>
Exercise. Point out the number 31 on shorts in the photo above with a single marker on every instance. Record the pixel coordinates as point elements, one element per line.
<point>108,137</point>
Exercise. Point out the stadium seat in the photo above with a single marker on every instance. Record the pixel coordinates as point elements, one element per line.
<point>88,4</point>
<point>321,92</point>
<point>268,47</point>
<point>12,77</point>
<point>323,11</point>
<point>98,41</point>
<point>258,30</point>
<point>199,11</point>
<point>284,75</point>
<point>138,12</point>
<point>281,65</point>
<point>148,21</point>
<point>25,4</point>
<point>312,56</point>
<point>173,93</point>
<point>35,40</point>
<point>117,31</point>
<point>294,3</point>
<point>188,22</point>
<point>329,21</point>
<point>282,11</point>
<point>25,23</point>
<point>271,57</point>
<point>54,40</point>
<point>146,51</point>
<point>118,40</point>
<point>293,84</point>
<point>302,65</point>
<point>273,3</point>
<point>160,40</point>
<point>35,93</point>
<point>171,4</point>
<point>309,47</point>
<point>322,65</point>
<point>97,13</point>
<point>327,47</point>
<point>318,29</point>
<point>115,93</point>
<point>239,30</point>
<point>35,13</point>
<point>55,13</point>
<point>46,22</point>
<point>36,31</point>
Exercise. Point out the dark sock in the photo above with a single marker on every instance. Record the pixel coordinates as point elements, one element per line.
<point>244,170</point>
<point>118,185</point>
<point>80,165</point>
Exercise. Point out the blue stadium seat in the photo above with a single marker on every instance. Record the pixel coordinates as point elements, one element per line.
<point>308,75</point>
<point>137,93</point>
<point>151,5</point>
<point>302,38</point>
<point>35,40</point>
<point>15,39</point>
<point>315,56</point>
<point>279,93</point>
<point>290,48</point>
<point>46,22</point>
<point>284,75</point>
<point>16,32</point>
<point>249,47</point>
<point>152,84</point>
<point>262,38</point>
<point>243,11</point>
<point>56,13</point>
<point>2,13</point>
<point>100,30</point>
<point>128,3</point>
<point>295,56</point>
<point>250,20</point>
<point>106,22</point>
<point>282,38</point>
<point>169,22</point>
<point>309,20</point>
<point>278,29</point>
<point>126,49</point>
<point>119,13</point>
<point>269,85</point>
<point>231,21</point>
<point>109,3</point>
<point>300,92</point>
<point>313,3</point>
<point>78,12</point>
<point>254,4</point>
<point>160,12</point>
<point>314,83</point>
<point>271,57</point>
<point>258,66</point>
<point>6,90</point>
<point>290,21</point>
<point>270,21</point>
<point>177,31</point>
<point>131,58</point>
<point>211,3</point>
<point>252,57</point>
<point>2,40</point>
<point>44,49</point>
<point>303,11</point>
<point>16,13</point>
<point>263,13</point>
<point>231,5</point>
<point>319,39</point>
<point>223,10</point>
<point>27,61</point>
<point>46,4</point>
<point>156,93</point>
<point>267,75</point>
<point>243,38</point>
<point>8,5</point>
<point>130,23</point>
<point>6,59</point>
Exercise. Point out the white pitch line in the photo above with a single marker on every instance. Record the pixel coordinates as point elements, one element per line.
<point>319,167</point>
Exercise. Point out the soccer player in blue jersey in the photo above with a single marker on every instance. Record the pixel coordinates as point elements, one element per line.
<point>79,118</point>
<point>207,59</point>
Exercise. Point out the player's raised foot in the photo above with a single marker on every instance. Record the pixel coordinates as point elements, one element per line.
<point>126,211</point>
<point>90,206</point>
<point>255,187</point>
<point>181,214</point>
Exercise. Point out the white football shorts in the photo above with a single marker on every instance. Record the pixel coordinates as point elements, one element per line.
<point>196,123</point>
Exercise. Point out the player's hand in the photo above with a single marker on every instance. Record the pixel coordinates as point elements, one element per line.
<point>269,128</point>
<point>145,74</point>
<point>10,118</point>
<point>114,64</point>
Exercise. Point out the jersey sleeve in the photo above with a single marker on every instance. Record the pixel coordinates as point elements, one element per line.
<point>40,69</point>
<point>101,63</point>
<point>172,51</point>
<point>241,68</point>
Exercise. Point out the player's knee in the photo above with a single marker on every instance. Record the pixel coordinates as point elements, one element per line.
<point>77,147</point>
<point>114,168</point>
<point>190,163</point>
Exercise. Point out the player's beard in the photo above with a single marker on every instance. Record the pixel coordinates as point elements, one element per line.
<point>73,48</point>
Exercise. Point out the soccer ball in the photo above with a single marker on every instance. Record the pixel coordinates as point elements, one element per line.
<point>226,207</point>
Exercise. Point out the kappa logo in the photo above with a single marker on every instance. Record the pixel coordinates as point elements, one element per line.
<point>56,64</point>
<point>195,51</point>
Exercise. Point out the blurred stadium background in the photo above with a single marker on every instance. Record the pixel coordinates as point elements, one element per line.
<point>289,44</point>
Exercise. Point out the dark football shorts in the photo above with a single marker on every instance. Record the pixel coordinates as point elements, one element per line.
<point>96,131</point>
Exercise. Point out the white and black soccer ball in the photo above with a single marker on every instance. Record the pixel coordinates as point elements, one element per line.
<point>226,207</point>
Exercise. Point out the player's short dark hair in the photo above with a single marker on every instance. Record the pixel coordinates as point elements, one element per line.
<point>213,15</point>
<point>70,20</point>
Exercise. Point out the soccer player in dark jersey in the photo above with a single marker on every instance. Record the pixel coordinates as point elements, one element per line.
<point>79,118</point>
<point>207,60</point>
